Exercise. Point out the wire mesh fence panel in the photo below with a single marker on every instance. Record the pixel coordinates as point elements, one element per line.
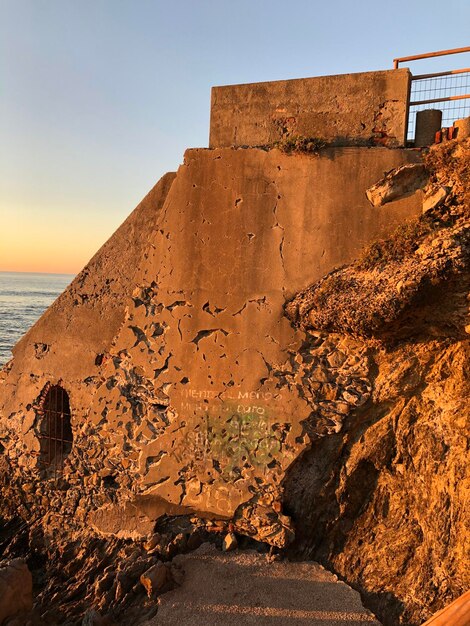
<point>447,91</point>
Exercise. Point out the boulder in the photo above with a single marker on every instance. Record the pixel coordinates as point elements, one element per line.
<point>16,589</point>
<point>230,542</point>
<point>156,579</point>
<point>93,618</point>
<point>434,197</point>
<point>398,183</point>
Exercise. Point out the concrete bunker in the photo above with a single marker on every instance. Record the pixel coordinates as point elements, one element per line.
<point>183,350</point>
<point>55,430</point>
<point>195,395</point>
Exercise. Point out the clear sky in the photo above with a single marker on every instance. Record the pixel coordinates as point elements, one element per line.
<point>98,98</point>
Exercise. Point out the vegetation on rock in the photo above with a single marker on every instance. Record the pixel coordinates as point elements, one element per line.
<point>296,143</point>
<point>449,165</point>
<point>396,274</point>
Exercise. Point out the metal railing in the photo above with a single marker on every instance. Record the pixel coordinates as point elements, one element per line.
<point>447,91</point>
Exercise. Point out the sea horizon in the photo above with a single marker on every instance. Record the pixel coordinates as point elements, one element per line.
<point>24,296</point>
<point>39,273</point>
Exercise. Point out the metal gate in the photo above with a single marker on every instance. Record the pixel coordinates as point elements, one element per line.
<point>55,431</point>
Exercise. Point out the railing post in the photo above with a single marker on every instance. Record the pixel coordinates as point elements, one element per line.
<point>428,122</point>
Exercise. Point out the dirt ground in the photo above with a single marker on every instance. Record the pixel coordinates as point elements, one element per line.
<point>241,588</point>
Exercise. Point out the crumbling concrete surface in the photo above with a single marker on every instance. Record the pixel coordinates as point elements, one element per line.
<point>243,588</point>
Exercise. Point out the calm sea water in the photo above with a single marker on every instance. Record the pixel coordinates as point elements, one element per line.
<point>23,298</point>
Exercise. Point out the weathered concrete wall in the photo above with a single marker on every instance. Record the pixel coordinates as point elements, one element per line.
<point>190,396</point>
<point>90,312</point>
<point>367,108</point>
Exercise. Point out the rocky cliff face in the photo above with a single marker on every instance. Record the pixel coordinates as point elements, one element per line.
<point>385,501</point>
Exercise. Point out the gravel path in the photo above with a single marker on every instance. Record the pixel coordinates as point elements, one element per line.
<point>221,589</point>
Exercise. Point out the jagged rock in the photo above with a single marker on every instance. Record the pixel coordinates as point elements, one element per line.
<point>397,183</point>
<point>381,492</point>
<point>448,164</point>
<point>229,543</point>
<point>153,542</point>
<point>156,579</point>
<point>93,618</point>
<point>194,540</point>
<point>16,589</point>
<point>261,519</point>
<point>434,197</point>
<point>367,302</point>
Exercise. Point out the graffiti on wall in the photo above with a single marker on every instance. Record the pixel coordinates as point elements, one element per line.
<point>237,431</point>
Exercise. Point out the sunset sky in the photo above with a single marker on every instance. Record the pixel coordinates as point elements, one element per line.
<point>99,98</point>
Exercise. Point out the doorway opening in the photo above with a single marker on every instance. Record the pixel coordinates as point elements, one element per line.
<point>55,430</point>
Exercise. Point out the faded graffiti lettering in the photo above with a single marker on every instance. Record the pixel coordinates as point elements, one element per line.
<point>246,439</point>
<point>208,394</point>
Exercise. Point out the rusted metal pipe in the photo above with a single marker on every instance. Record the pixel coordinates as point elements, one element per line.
<point>438,74</point>
<point>447,99</point>
<point>429,55</point>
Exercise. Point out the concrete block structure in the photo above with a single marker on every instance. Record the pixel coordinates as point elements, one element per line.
<point>366,108</point>
<point>172,346</point>
<point>272,346</point>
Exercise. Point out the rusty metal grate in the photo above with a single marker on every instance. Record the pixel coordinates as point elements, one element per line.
<point>56,436</point>
<point>447,91</point>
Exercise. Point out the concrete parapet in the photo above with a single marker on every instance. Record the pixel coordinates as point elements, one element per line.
<point>367,108</point>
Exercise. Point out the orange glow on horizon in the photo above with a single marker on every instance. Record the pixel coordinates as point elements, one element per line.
<point>31,243</point>
<point>40,255</point>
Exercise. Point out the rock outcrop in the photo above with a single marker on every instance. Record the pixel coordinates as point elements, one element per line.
<point>16,589</point>
<point>385,501</point>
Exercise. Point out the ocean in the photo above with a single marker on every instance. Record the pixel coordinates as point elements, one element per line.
<point>23,299</point>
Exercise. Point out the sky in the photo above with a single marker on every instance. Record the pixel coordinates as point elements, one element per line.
<point>99,98</point>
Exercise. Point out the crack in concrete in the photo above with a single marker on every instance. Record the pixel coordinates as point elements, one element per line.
<point>203,334</point>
